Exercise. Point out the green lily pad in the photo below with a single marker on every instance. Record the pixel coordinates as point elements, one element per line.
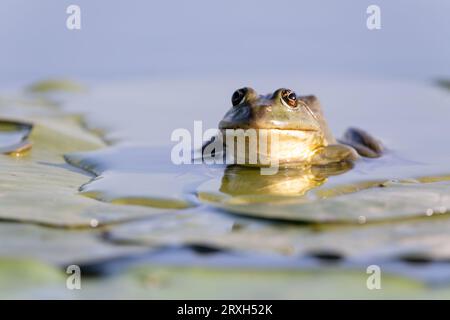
<point>194,226</point>
<point>424,238</point>
<point>58,246</point>
<point>156,190</point>
<point>163,282</point>
<point>29,279</point>
<point>40,187</point>
<point>138,175</point>
<point>394,202</point>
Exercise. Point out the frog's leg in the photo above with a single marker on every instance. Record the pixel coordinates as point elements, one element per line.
<point>334,153</point>
<point>331,169</point>
<point>363,143</point>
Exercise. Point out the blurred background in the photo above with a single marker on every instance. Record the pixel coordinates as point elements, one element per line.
<point>140,38</point>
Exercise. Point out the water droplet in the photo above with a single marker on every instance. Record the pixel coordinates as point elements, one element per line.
<point>94,223</point>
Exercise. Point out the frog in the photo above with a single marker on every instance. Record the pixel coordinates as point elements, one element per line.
<point>304,136</point>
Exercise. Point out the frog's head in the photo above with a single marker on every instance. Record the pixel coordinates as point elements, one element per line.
<point>295,130</point>
<point>282,110</point>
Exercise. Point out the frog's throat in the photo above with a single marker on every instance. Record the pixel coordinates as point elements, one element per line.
<point>258,147</point>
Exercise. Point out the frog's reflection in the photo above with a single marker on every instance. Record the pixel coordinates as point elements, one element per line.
<point>244,181</point>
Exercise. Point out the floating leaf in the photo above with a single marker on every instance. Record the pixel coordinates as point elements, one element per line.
<point>41,188</point>
<point>423,238</point>
<point>180,228</point>
<point>140,175</point>
<point>159,190</point>
<point>58,246</point>
<point>398,201</point>
<point>29,279</point>
<point>165,282</point>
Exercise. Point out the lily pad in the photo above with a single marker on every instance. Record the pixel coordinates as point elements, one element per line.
<point>42,177</point>
<point>58,246</point>
<point>165,282</point>
<point>423,238</point>
<point>397,201</point>
<point>29,279</point>
<point>157,190</point>
<point>193,226</point>
<point>140,175</point>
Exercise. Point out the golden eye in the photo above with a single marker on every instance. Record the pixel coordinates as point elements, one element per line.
<point>289,98</point>
<point>238,96</point>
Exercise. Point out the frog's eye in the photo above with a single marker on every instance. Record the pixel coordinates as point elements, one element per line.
<point>289,98</point>
<point>238,96</point>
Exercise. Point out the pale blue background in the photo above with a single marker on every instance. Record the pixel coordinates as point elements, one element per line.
<point>139,38</point>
